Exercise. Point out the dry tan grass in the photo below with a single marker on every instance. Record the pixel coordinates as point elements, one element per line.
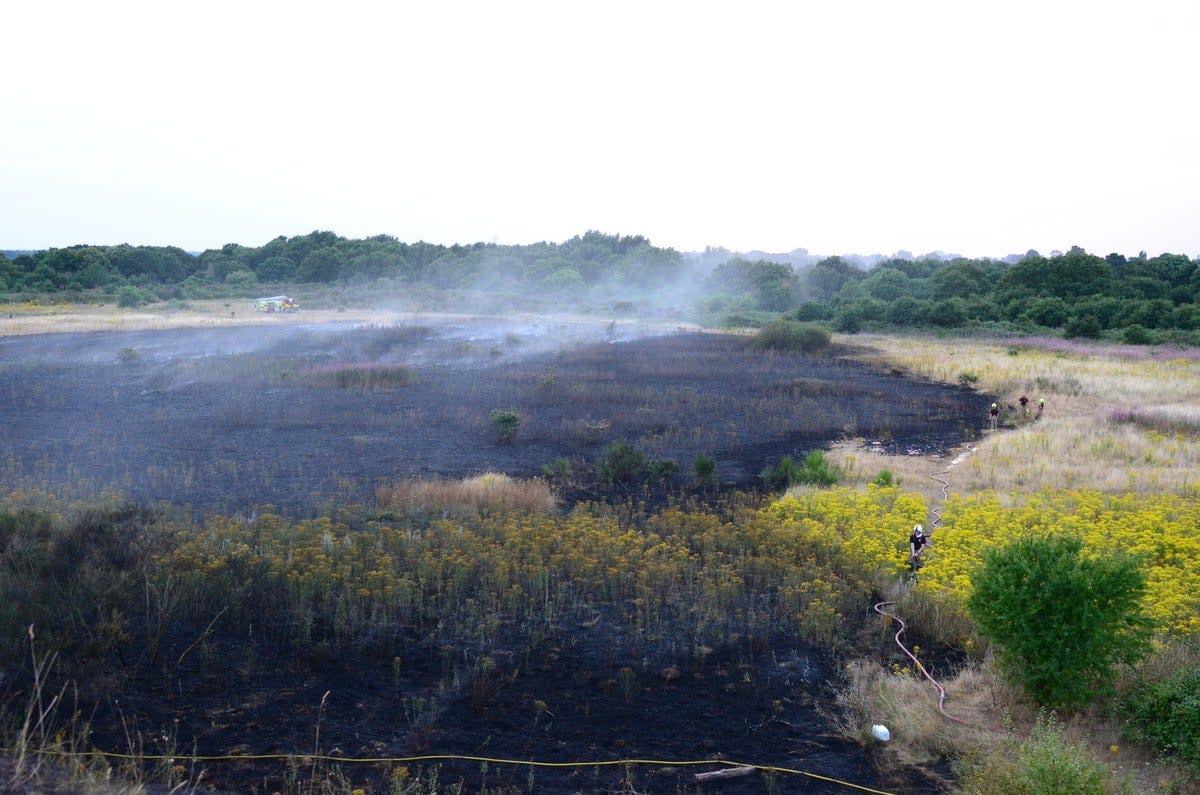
<point>989,720</point>
<point>485,494</point>
<point>33,318</point>
<point>1111,423</point>
<point>1076,443</point>
<point>907,704</point>
<point>38,318</point>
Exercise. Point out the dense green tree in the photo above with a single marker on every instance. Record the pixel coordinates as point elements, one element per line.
<point>1140,286</point>
<point>812,310</point>
<point>320,265</point>
<point>276,269</point>
<point>886,284</point>
<point>982,310</point>
<point>826,278</point>
<point>160,264</point>
<point>1174,269</point>
<point>1051,312</point>
<point>915,269</point>
<point>854,316</point>
<point>8,274</point>
<point>1148,314</point>
<point>962,279</point>
<point>1186,317</point>
<point>950,313</point>
<point>1104,308</point>
<point>565,280</point>
<point>1066,276</point>
<point>904,311</point>
<point>770,285</point>
<point>1082,326</point>
<point>1061,620</point>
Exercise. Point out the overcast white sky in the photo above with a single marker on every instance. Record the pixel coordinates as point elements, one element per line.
<point>840,127</point>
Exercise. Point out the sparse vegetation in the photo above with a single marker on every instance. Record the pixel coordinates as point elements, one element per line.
<point>359,375</point>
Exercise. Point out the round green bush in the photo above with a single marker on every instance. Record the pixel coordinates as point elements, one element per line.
<point>790,336</point>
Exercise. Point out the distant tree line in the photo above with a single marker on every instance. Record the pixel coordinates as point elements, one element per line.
<point>158,272</point>
<point>1137,300</point>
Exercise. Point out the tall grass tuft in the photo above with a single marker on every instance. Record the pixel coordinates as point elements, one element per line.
<point>487,494</point>
<point>359,375</point>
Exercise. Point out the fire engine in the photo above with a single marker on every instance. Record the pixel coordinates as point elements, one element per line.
<point>277,303</point>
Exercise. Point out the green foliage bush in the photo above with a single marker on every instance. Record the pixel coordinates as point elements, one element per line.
<point>129,297</point>
<point>1082,326</point>
<point>815,470</point>
<point>1137,335</point>
<point>621,462</point>
<point>505,423</point>
<point>1045,764</point>
<point>791,337</point>
<point>661,468</point>
<point>1061,621</point>
<point>1166,716</point>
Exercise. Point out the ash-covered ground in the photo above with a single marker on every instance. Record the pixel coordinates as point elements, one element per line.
<point>294,416</point>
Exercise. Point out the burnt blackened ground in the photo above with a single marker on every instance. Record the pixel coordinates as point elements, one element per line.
<point>586,697</point>
<point>227,419</point>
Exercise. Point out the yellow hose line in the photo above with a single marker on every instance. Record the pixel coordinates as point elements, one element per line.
<point>452,757</point>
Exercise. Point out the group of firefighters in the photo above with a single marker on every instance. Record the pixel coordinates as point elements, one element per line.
<point>994,412</point>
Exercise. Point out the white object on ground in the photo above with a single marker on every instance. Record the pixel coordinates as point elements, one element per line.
<point>881,732</point>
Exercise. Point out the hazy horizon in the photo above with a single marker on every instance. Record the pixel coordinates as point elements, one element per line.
<point>867,128</point>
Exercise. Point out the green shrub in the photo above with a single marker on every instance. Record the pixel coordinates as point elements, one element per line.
<point>704,468</point>
<point>558,470</point>
<point>1137,335</point>
<point>817,471</point>
<point>661,468</point>
<point>1062,621</point>
<point>621,463</point>
<point>814,471</point>
<point>790,336</point>
<point>129,297</point>
<point>505,422</point>
<point>747,319</point>
<point>884,478</point>
<point>1083,326</point>
<point>1045,764</point>
<point>781,475</point>
<point>1166,716</point>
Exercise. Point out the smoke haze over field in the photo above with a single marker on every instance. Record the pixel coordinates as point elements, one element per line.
<point>868,127</point>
